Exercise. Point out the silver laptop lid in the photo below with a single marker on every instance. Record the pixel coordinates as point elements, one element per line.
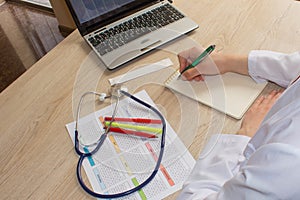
<point>90,15</point>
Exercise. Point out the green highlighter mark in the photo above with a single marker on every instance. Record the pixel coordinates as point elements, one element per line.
<point>141,193</point>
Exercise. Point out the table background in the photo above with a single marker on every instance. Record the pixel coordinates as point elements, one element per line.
<point>37,156</point>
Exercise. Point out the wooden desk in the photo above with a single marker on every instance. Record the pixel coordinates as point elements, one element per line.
<point>37,156</point>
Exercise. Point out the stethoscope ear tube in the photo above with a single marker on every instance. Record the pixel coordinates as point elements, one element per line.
<point>82,156</point>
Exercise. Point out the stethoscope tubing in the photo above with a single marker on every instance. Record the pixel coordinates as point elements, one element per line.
<point>82,155</point>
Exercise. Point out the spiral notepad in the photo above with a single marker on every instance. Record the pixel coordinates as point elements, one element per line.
<point>230,93</point>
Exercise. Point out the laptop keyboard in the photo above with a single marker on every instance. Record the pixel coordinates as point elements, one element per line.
<point>121,34</point>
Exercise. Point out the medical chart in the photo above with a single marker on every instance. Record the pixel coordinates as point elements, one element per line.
<point>124,161</point>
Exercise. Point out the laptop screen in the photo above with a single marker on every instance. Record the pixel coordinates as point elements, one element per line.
<point>88,13</point>
<point>90,9</point>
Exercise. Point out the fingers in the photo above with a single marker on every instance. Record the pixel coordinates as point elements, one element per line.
<point>267,101</point>
<point>255,115</point>
<point>258,101</point>
<point>206,67</point>
<point>272,97</point>
<point>192,74</point>
<point>182,62</point>
<point>199,78</point>
<point>186,56</point>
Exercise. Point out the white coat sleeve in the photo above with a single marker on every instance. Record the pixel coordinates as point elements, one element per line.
<point>218,162</point>
<point>216,177</point>
<point>273,66</point>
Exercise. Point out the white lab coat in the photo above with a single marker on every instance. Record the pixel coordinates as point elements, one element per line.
<point>266,166</point>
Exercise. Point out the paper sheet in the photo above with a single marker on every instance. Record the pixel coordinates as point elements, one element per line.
<point>141,72</point>
<point>229,93</point>
<point>125,161</point>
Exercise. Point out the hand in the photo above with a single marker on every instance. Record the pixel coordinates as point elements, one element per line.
<point>216,63</point>
<point>206,67</point>
<point>257,113</point>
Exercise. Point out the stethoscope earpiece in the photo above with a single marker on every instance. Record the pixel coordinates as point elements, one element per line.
<point>115,92</point>
<point>102,97</point>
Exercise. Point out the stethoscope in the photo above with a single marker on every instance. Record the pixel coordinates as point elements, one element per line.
<point>99,143</point>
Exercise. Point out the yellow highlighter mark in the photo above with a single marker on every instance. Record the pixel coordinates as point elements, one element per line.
<point>114,142</point>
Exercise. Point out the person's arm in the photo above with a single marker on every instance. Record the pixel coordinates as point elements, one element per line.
<point>256,113</point>
<point>214,64</point>
<point>231,63</point>
<point>271,172</point>
<point>218,163</point>
<point>221,160</point>
<point>273,66</point>
<point>260,65</point>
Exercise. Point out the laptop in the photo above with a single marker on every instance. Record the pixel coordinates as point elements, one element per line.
<point>121,30</point>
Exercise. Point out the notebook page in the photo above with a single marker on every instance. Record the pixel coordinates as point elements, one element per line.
<point>230,93</point>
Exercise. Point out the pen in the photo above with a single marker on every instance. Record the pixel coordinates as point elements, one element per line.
<point>130,132</point>
<point>202,56</point>
<point>134,127</point>
<point>137,120</point>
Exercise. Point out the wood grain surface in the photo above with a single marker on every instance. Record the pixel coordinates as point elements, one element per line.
<point>37,156</point>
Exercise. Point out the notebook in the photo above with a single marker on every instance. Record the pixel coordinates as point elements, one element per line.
<point>121,30</point>
<point>229,93</point>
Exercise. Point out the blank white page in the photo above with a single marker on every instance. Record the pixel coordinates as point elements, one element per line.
<point>230,93</point>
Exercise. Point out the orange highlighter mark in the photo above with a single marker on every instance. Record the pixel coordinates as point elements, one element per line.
<point>161,167</point>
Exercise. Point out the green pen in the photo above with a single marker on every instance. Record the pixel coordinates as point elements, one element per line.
<point>202,56</point>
